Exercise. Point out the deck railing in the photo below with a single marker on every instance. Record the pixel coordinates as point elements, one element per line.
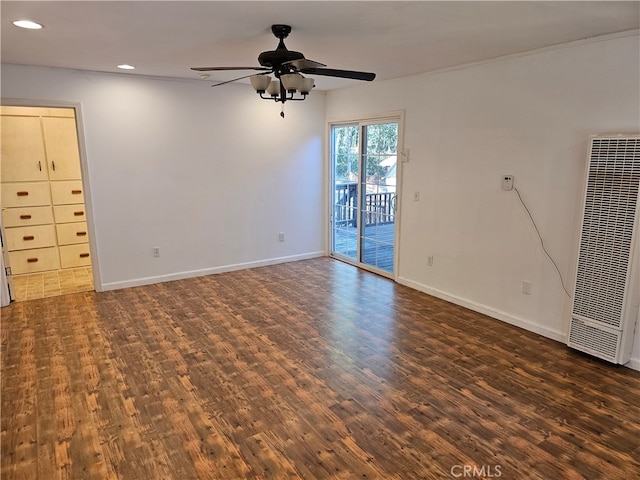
<point>379,207</point>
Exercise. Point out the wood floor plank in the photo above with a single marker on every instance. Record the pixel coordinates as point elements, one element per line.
<point>19,402</point>
<point>312,369</point>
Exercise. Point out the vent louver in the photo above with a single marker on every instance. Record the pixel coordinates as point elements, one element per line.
<point>594,340</point>
<point>606,245</point>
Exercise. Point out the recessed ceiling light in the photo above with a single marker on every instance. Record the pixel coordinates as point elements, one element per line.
<point>28,24</point>
<point>125,66</point>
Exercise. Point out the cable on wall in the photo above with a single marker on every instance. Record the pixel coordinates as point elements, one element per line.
<point>542,241</point>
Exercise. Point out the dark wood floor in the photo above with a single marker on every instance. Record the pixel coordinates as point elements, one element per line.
<point>313,370</point>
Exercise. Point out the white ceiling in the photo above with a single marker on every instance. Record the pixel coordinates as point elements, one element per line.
<point>392,39</point>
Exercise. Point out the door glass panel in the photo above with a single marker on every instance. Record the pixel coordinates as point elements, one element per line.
<point>345,155</point>
<point>378,194</point>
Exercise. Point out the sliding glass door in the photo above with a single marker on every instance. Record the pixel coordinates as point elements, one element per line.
<point>364,193</point>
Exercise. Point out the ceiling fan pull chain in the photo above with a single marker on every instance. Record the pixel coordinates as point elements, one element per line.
<point>282,110</point>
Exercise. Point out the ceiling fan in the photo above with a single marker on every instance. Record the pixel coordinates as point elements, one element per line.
<point>287,66</point>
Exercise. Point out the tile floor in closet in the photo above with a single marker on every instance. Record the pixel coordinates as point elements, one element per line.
<point>51,284</point>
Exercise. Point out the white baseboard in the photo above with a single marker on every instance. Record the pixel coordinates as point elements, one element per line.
<point>556,335</point>
<point>486,310</point>
<point>137,282</point>
<point>634,364</point>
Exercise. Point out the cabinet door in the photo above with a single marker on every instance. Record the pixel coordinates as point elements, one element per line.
<point>23,158</point>
<point>61,143</point>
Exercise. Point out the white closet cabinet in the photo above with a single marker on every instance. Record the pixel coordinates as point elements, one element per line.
<point>43,207</point>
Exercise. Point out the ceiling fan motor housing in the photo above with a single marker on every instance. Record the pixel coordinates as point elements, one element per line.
<point>275,58</point>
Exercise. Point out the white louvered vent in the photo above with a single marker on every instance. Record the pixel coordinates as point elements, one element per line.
<point>595,341</point>
<point>606,245</point>
<point>607,229</point>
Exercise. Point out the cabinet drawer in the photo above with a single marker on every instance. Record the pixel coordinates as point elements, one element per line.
<point>75,255</point>
<point>25,194</point>
<point>23,238</point>
<point>22,217</point>
<point>31,261</point>
<point>72,233</point>
<point>68,192</point>
<point>69,213</point>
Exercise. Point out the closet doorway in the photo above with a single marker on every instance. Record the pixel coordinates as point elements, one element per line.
<point>45,237</point>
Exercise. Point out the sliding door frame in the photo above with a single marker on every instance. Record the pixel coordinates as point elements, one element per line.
<point>402,157</point>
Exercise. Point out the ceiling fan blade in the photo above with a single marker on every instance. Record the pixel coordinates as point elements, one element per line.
<point>304,63</point>
<point>239,78</point>
<point>330,72</point>
<point>212,69</point>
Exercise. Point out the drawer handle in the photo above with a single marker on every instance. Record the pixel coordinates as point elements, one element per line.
<point>32,260</point>
<point>28,237</point>
<point>76,192</point>
<point>22,193</point>
<point>78,213</point>
<point>25,217</point>
<point>84,255</point>
<point>81,234</point>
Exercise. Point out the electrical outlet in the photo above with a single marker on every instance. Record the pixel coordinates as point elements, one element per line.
<point>156,252</point>
<point>430,261</point>
<point>416,196</point>
<point>507,182</point>
<point>526,287</point>
<point>281,236</point>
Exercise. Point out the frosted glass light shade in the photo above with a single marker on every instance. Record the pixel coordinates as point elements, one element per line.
<point>306,84</point>
<point>260,83</point>
<point>291,81</point>
<point>274,88</point>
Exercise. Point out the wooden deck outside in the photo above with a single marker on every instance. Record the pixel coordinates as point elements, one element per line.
<point>377,216</point>
<point>377,244</point>
<point>312,369</point>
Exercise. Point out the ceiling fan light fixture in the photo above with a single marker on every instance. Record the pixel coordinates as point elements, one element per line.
<point>286,66</point>
<point>260,83</point>
<point>274,88</point>
<point>291,81</point>
<point>306,84</point>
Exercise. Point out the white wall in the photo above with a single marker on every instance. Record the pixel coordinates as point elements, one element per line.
<point>529,116</point>
<point>209,175</point>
